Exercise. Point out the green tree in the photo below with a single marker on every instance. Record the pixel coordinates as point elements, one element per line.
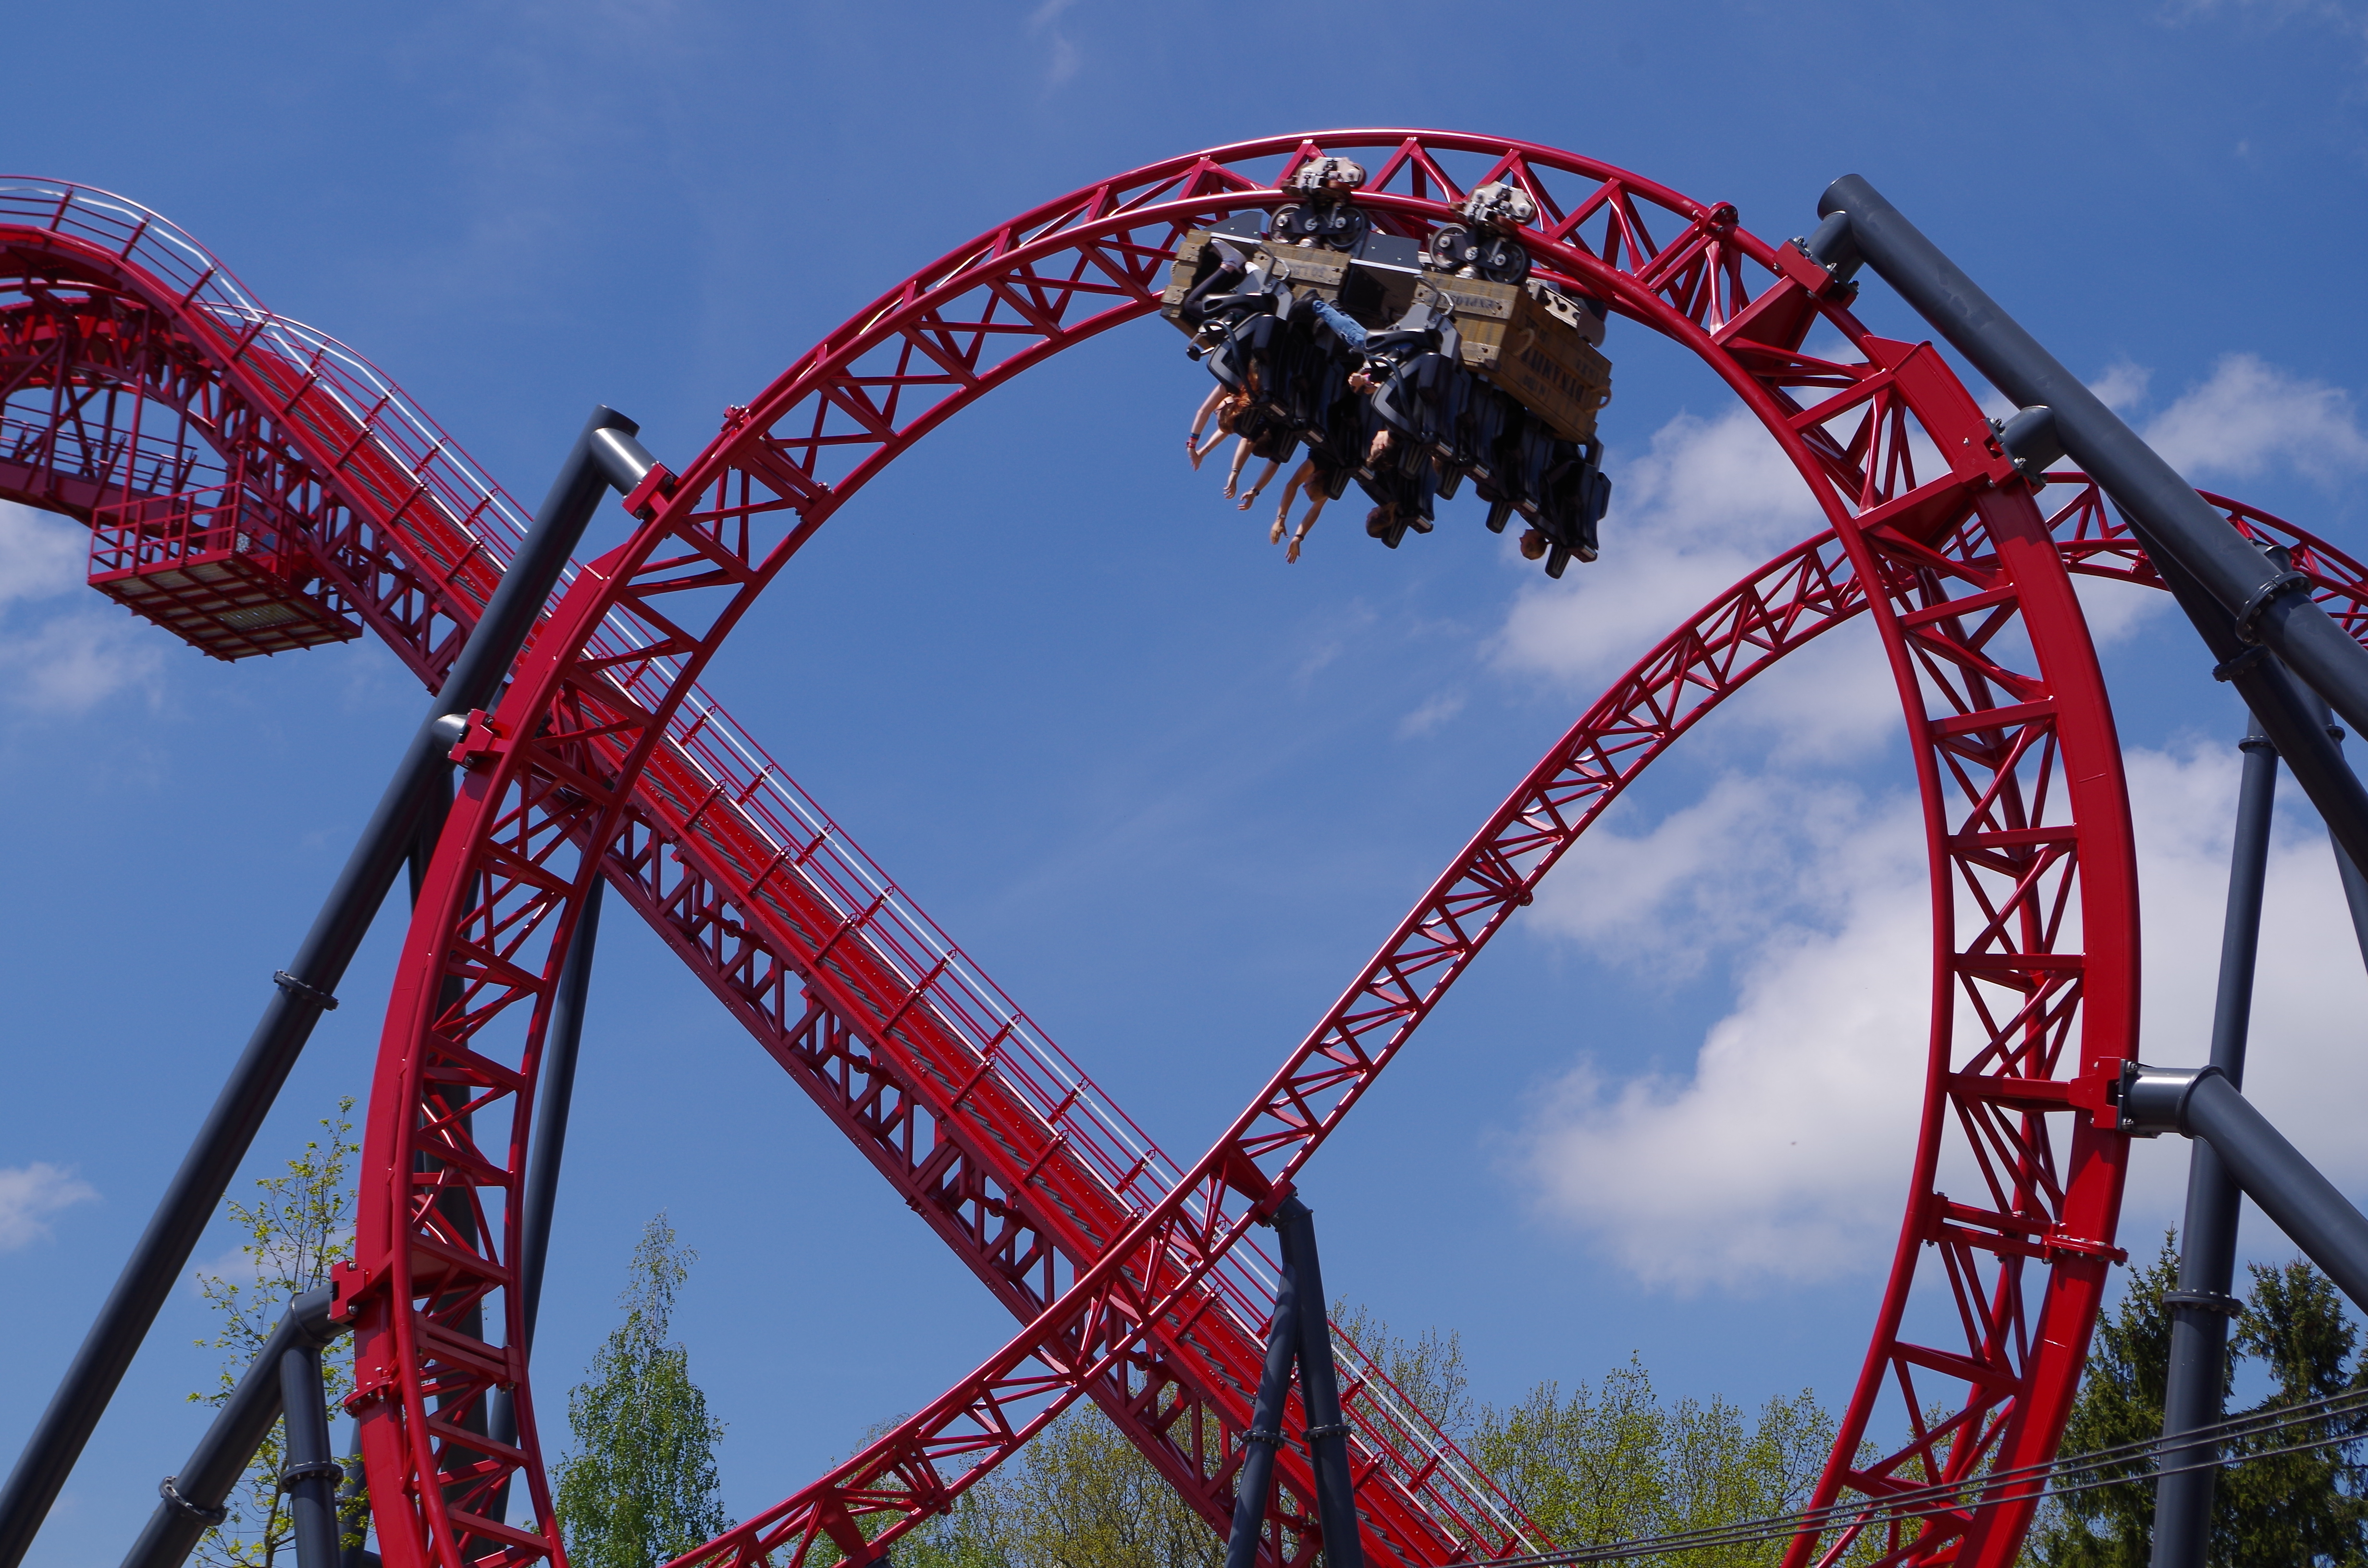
<point>1589,1468</point>
<point>1609,1461</point>
<point>641,1487</point>
<point>2281,1509</point>
<point>1613,1463</point>
<point>1079,1495</point>
<point>1427,1369</point>
<point>293,1233</point>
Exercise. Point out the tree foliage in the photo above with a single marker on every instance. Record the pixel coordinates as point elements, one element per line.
<point>2282,1509</point>
<point>1079,1497</point>
<point>299,1228</point>
<point>1610,1461</point>
<point>640,1486</point>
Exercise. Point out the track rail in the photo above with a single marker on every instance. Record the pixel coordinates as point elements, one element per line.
<point>132,364</point>
<point>2017,764</point>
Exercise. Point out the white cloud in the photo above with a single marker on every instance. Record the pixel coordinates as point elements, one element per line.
<point>1777,1152</point>
<point>42,556</point>
<point>1755,851</point>
<point>74,660</point>
<point>1430,715</point>
<point>2251,416</point>
<point>77,655</point>
<point>1066,58</point>
<point>1707,502</point>
<point>2123,386</point>
<point>2116,609</point>
<point>1779,1155</point>
<point>29,1194</point>
<point>2344,19</point>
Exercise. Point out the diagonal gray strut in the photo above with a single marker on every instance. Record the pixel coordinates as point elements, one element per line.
<point>605,455</point>
<point>2267,602</point>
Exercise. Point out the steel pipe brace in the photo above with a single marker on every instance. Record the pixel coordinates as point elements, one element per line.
<point>2153,1100</point>
<point>2291,625</point>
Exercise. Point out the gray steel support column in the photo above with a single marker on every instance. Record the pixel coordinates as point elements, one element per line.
<point>2202,1304</point>
<point>2355,894</point>
<point>195,1494</point>
<point>2202,1103</point>
<point>1256,1486</point>
<point>353,1505</point>
<point>2293,716</point>
<point>561,1042</point>
<point>1319,1389</point>
<point>2267,601</point>
<point>312,1474</point>
<point>2347,869</point>
<point>560,1039</point>
<point>604,455</point>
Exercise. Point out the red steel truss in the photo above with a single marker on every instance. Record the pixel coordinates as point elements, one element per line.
<point>1934,535</point>
<point>137,374</point>
<point>116,308</point>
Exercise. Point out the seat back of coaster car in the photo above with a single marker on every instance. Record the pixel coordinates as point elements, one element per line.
<point>1577,493</point>
<point>1535,344</point>
<point>1246,345</point>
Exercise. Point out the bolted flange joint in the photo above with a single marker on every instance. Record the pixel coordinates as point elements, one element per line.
<point>2153,1100</point>
<point>2031,441</point>
<point>215,1516</point>
<point>323,1470</point>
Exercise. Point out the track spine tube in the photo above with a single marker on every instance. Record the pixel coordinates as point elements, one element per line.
<point>2207,1241</point>
<point>605,454</point>
<point>2266,601</point>
<point>238,1429</point>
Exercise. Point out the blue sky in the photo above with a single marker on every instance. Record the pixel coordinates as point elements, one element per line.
<point>1168,791</point>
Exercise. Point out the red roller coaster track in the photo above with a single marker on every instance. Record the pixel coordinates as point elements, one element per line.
<point>1127,1270</point>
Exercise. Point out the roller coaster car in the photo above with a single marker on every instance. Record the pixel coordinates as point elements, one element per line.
<point>1558,487</point>
<point>1499,381</point>
<point>1376,280</point>
<point>1537,344</point>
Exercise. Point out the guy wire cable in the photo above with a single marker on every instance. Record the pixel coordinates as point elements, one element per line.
<point>1933,1501</point>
